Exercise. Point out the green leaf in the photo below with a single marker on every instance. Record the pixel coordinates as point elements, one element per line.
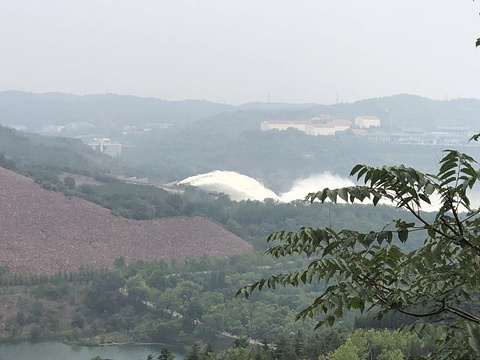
<point>429,189</point>
<point>476,136</point>
<point>356,169</point>
<point>403,235</point>
<point>329,248</point>
<point>343,193</point>
<point>474,338</point>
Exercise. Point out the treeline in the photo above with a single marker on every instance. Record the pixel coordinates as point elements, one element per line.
<point>177,302</point>
<point>181,303</point>
<point>359,345</point>
<point>83,275</point>
<point>250,220</point>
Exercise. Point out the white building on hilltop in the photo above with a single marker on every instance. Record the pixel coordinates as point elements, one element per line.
<point>329,128</point>
<point>106,146</point>
<point>112,149</point>
<point>367,121</point>
<point>284,125</point>
<point>320,130</point>
<point>319,126</point>
<point>52,129</point>
<point>16,127</point>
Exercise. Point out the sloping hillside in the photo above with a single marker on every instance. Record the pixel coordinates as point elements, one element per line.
<point>31,151</point>
<point>42,231</point>
<point>37,110</point>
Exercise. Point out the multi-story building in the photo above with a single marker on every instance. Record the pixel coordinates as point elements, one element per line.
<point>112,149</point>
<point>414,136</point>
<point>283,125</point>
<point>320,129</point>
<point>106,146</point>
<point>318,126</point>
<point>367,121</point>
<point>340,125</point>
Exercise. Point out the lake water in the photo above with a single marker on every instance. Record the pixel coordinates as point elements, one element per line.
<point>59,351</point>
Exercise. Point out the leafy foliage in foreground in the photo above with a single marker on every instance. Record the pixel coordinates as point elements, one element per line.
<point>437,282</point>
<point>360,345</point>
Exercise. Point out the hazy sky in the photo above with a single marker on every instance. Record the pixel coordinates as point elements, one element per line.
<point>237,51</point>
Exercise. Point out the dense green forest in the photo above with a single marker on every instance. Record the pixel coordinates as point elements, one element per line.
<point>183,303</point>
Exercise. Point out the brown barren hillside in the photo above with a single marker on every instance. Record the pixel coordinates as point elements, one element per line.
<point>44,232</point>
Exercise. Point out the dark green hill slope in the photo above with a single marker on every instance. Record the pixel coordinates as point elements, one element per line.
<point>34,154</point>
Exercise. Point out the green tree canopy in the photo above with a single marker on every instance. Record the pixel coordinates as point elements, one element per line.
<point>166,354</point>
<point>373,271</point>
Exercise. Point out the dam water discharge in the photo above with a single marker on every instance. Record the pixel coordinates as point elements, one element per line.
<point>242,187</point>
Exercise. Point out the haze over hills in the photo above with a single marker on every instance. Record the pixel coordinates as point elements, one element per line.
<point>205,136</point>
<point>103,111</point>
<point>45,232</point>
<point>107,111</point>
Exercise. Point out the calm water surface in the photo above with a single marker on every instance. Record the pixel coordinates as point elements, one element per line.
<point>59,351</point>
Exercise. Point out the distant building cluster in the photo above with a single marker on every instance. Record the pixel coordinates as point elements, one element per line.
<point>366,122</point>
<point>133,180</point>
<point>16,127</point>
<point>52,129</point>
<point>106,146</point>
<point>137,130</point>
<point>445,135</point>
<point>72,126</point>
<point>323,125</point>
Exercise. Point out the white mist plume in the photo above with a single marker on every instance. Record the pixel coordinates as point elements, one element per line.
<point>241,187</point>
<point>237,186</point>
<point>301,187</point>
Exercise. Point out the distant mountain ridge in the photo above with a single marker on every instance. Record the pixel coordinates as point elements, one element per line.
<point>410,111</point>
<point>104,110</point>
<point>37,110</point>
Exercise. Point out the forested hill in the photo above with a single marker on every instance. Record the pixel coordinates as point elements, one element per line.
<point>103,111</point>
<point>109,111</point>
<point>409,111</point>
<point>37,155</point>
<point>395,111</point>
<point>207,136</point>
